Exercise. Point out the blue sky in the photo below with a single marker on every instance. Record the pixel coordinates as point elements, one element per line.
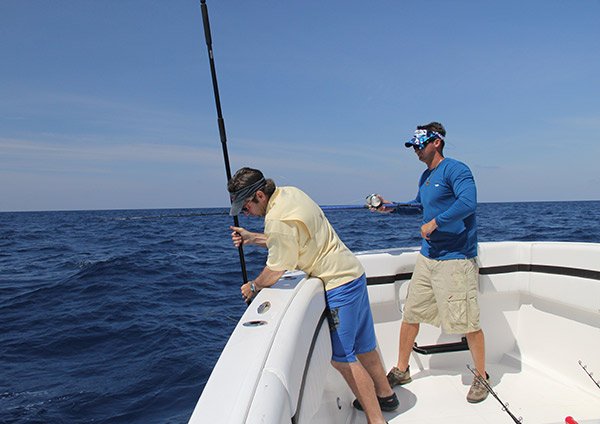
<point>109,104</point>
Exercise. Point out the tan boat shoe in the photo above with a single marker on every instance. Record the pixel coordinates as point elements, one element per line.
<point>396,377</point>
<point>478,392</point>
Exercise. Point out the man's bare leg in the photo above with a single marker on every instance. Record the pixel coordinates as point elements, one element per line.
<point>372,363</point>
<point>408,335</point>
<point>363,388</point>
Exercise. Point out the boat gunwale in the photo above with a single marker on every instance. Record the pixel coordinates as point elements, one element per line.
<point>502,269</point>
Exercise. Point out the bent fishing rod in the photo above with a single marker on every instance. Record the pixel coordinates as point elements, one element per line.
<point>590,374</point>
<point>220,120</point>
<point>485,384</point>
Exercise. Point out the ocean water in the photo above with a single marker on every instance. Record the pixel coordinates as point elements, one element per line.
<point>119,316</point>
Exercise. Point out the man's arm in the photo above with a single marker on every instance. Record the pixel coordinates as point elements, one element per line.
<point>388,206</point>
<point>463,185</point>
<point>266,278</point>
<point>240,234</point>
<point>283,255</point>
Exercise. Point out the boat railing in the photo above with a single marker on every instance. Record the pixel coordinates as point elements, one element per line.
<point>262,369</point>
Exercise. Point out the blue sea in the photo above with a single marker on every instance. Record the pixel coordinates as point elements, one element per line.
<point>119,316</point>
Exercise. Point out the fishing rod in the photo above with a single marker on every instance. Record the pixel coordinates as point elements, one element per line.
<point>220,120</point>
<point>590,374</point>
<point>485,384</point>
<point>374,201</point>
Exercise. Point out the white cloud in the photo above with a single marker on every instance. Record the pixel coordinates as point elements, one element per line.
<point>99,151</point>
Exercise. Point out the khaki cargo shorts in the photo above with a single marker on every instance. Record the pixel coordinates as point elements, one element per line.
<point>444,293</point>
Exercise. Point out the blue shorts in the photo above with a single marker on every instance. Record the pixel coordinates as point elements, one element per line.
<point>350,320</point>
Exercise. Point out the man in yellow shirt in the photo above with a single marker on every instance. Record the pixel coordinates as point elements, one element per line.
<point>299,236</point>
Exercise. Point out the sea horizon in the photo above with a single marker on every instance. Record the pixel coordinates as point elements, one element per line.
<point>227,207</point>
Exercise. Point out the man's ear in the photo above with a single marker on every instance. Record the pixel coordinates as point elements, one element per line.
<point>260,195</point>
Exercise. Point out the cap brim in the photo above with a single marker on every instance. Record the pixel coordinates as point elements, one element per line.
<point>236,207</point>
<point>242,195</point>
<point>409,144</point>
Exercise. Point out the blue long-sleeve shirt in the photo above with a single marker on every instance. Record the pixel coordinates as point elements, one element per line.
<point>449,195</point>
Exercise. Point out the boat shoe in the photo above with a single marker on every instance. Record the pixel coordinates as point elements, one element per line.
<point>396,377</point>
<point>388,403</point>
<point>478,392</point>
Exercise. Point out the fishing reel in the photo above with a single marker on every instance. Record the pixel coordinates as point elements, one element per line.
<point>373,201</point>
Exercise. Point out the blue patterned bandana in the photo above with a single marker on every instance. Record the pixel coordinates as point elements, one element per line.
<point>422,137</point>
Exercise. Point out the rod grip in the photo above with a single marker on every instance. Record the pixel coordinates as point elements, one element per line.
<point>221,123</point>
<point>206,22</point>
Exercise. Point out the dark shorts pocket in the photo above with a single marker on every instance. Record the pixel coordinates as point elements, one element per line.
<point>333,318</point>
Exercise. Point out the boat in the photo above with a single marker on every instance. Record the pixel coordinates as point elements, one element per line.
<point>540,311</point>
<point>408,208</point>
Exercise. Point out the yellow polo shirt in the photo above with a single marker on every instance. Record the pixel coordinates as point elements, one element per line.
<point>299,236</point>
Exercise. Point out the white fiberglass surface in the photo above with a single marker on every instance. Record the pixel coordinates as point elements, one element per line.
<point>439,396</point>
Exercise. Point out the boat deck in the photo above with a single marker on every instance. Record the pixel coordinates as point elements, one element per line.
<point>540,312</point>
<point>438,396</point>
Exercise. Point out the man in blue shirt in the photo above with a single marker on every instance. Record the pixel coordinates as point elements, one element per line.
<point>443,288</point>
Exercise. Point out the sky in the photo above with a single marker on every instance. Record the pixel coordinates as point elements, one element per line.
<point>109,104</point>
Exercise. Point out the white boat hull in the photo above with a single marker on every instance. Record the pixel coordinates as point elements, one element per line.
<point>540,310</point>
